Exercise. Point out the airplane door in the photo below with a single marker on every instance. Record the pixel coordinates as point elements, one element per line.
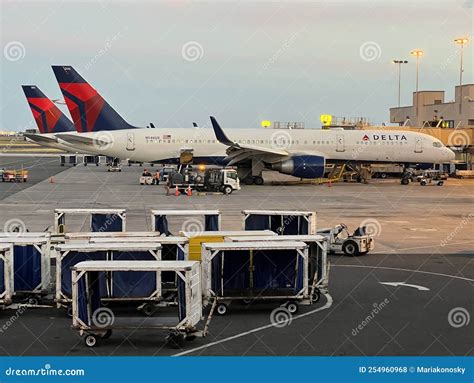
<point>418,145</point>
<point>340,147</point>
<point>130,141</point>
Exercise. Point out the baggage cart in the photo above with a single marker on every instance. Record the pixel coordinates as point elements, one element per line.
<point>97,322</point>
<point>141,288</point>
<point>6,279</point>
<point>281,222</point>
<point>191,220</point>
<point>31,265</point>
<point>318,275</point>
<point>255,271</point>
<point>196,239</point>
<point>101,220</point>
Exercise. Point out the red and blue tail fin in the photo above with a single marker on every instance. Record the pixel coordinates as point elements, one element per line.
<point>47,115</point>
<point>89,111</point>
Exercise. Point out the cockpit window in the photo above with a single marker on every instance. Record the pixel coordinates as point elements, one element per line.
<point>437,144</point>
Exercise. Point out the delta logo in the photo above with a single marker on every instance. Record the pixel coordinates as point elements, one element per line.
<point>385,137</point>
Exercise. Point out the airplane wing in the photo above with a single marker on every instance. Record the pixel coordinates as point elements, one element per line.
<point>237,152</point>
<point>78,139</point>
<point>40,138</point>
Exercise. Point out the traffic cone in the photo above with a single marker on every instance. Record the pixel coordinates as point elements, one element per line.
<point>189,192</point>
<point>176,191</point>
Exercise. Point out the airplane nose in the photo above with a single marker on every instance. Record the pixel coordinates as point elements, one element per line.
<point>450,154</point>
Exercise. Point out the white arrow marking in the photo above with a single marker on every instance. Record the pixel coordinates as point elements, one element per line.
<point>396,284</point>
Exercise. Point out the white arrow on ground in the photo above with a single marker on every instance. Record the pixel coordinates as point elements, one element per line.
<point>396,284</point>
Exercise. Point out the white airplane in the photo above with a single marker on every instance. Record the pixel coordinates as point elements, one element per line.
<point>49,120</point>
<point>301,153</point>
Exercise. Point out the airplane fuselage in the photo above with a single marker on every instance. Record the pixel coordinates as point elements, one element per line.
<point>164,145</point>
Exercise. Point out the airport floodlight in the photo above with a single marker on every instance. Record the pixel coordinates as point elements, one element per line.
<point>461,41</point>
<point>399,63</point>
<point>417,53</point>
<point>266,124</point>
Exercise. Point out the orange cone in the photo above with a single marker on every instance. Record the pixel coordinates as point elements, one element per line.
<point>176,191</point>
<point>189,192</point>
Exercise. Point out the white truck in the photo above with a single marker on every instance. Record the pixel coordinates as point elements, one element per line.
<point>214,180</point>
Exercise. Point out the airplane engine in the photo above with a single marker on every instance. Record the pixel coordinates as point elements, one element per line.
<point>302,166</point>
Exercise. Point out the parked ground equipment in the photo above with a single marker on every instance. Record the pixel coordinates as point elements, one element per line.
<point>432,177</point>
<point>12,175</point>
<point>196,239</point>
<point>256,271</point>
<point>102,220</point>
<point>6,275</point>
<point>214,180</point>
<point>280,221</point>
<point>114,164</point>
<point>97,322</point>
<point>31,265</point>
<point>340,240</point>
<point>187,220</point>
<point>137,287</point>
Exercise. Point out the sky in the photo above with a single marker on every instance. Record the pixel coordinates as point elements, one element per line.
<point>175,62</point>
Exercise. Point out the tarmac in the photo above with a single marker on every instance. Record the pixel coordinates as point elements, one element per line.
<point>424,250</point>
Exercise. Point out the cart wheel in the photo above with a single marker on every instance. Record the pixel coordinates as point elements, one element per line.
<point>316,295</point>
<point>91,340</point>
<point>227,190</point>
<point>292,307</point>
<point>423,183</point>
<point>148,309</point>
<point>222,309</point>
<point>107,334</point>
<point>69,311</point>
<point>405,181</point>
<point>440,183</point>
<point>176,340</point>
<point>350,248</point>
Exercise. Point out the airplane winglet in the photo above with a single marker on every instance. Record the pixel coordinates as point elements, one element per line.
<point>220,135</point>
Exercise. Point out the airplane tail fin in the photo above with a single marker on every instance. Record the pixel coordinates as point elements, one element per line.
<point>47,115</point>
<point>89,111</point>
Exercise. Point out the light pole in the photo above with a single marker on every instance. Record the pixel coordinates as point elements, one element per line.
<point>399,62</point>
<point>417,53</point>
<point>461,41</point>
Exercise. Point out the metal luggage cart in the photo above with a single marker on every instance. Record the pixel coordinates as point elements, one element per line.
<point>318,275</point>
<point>6,275</point>
<point>144,289</point>
<point>255,271</point>
<point>283,222</point>
<point>192,220</point>
<point>101,220</point>
<point>97,322</point>
<point>196,239</point>
<point>31,265</point>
